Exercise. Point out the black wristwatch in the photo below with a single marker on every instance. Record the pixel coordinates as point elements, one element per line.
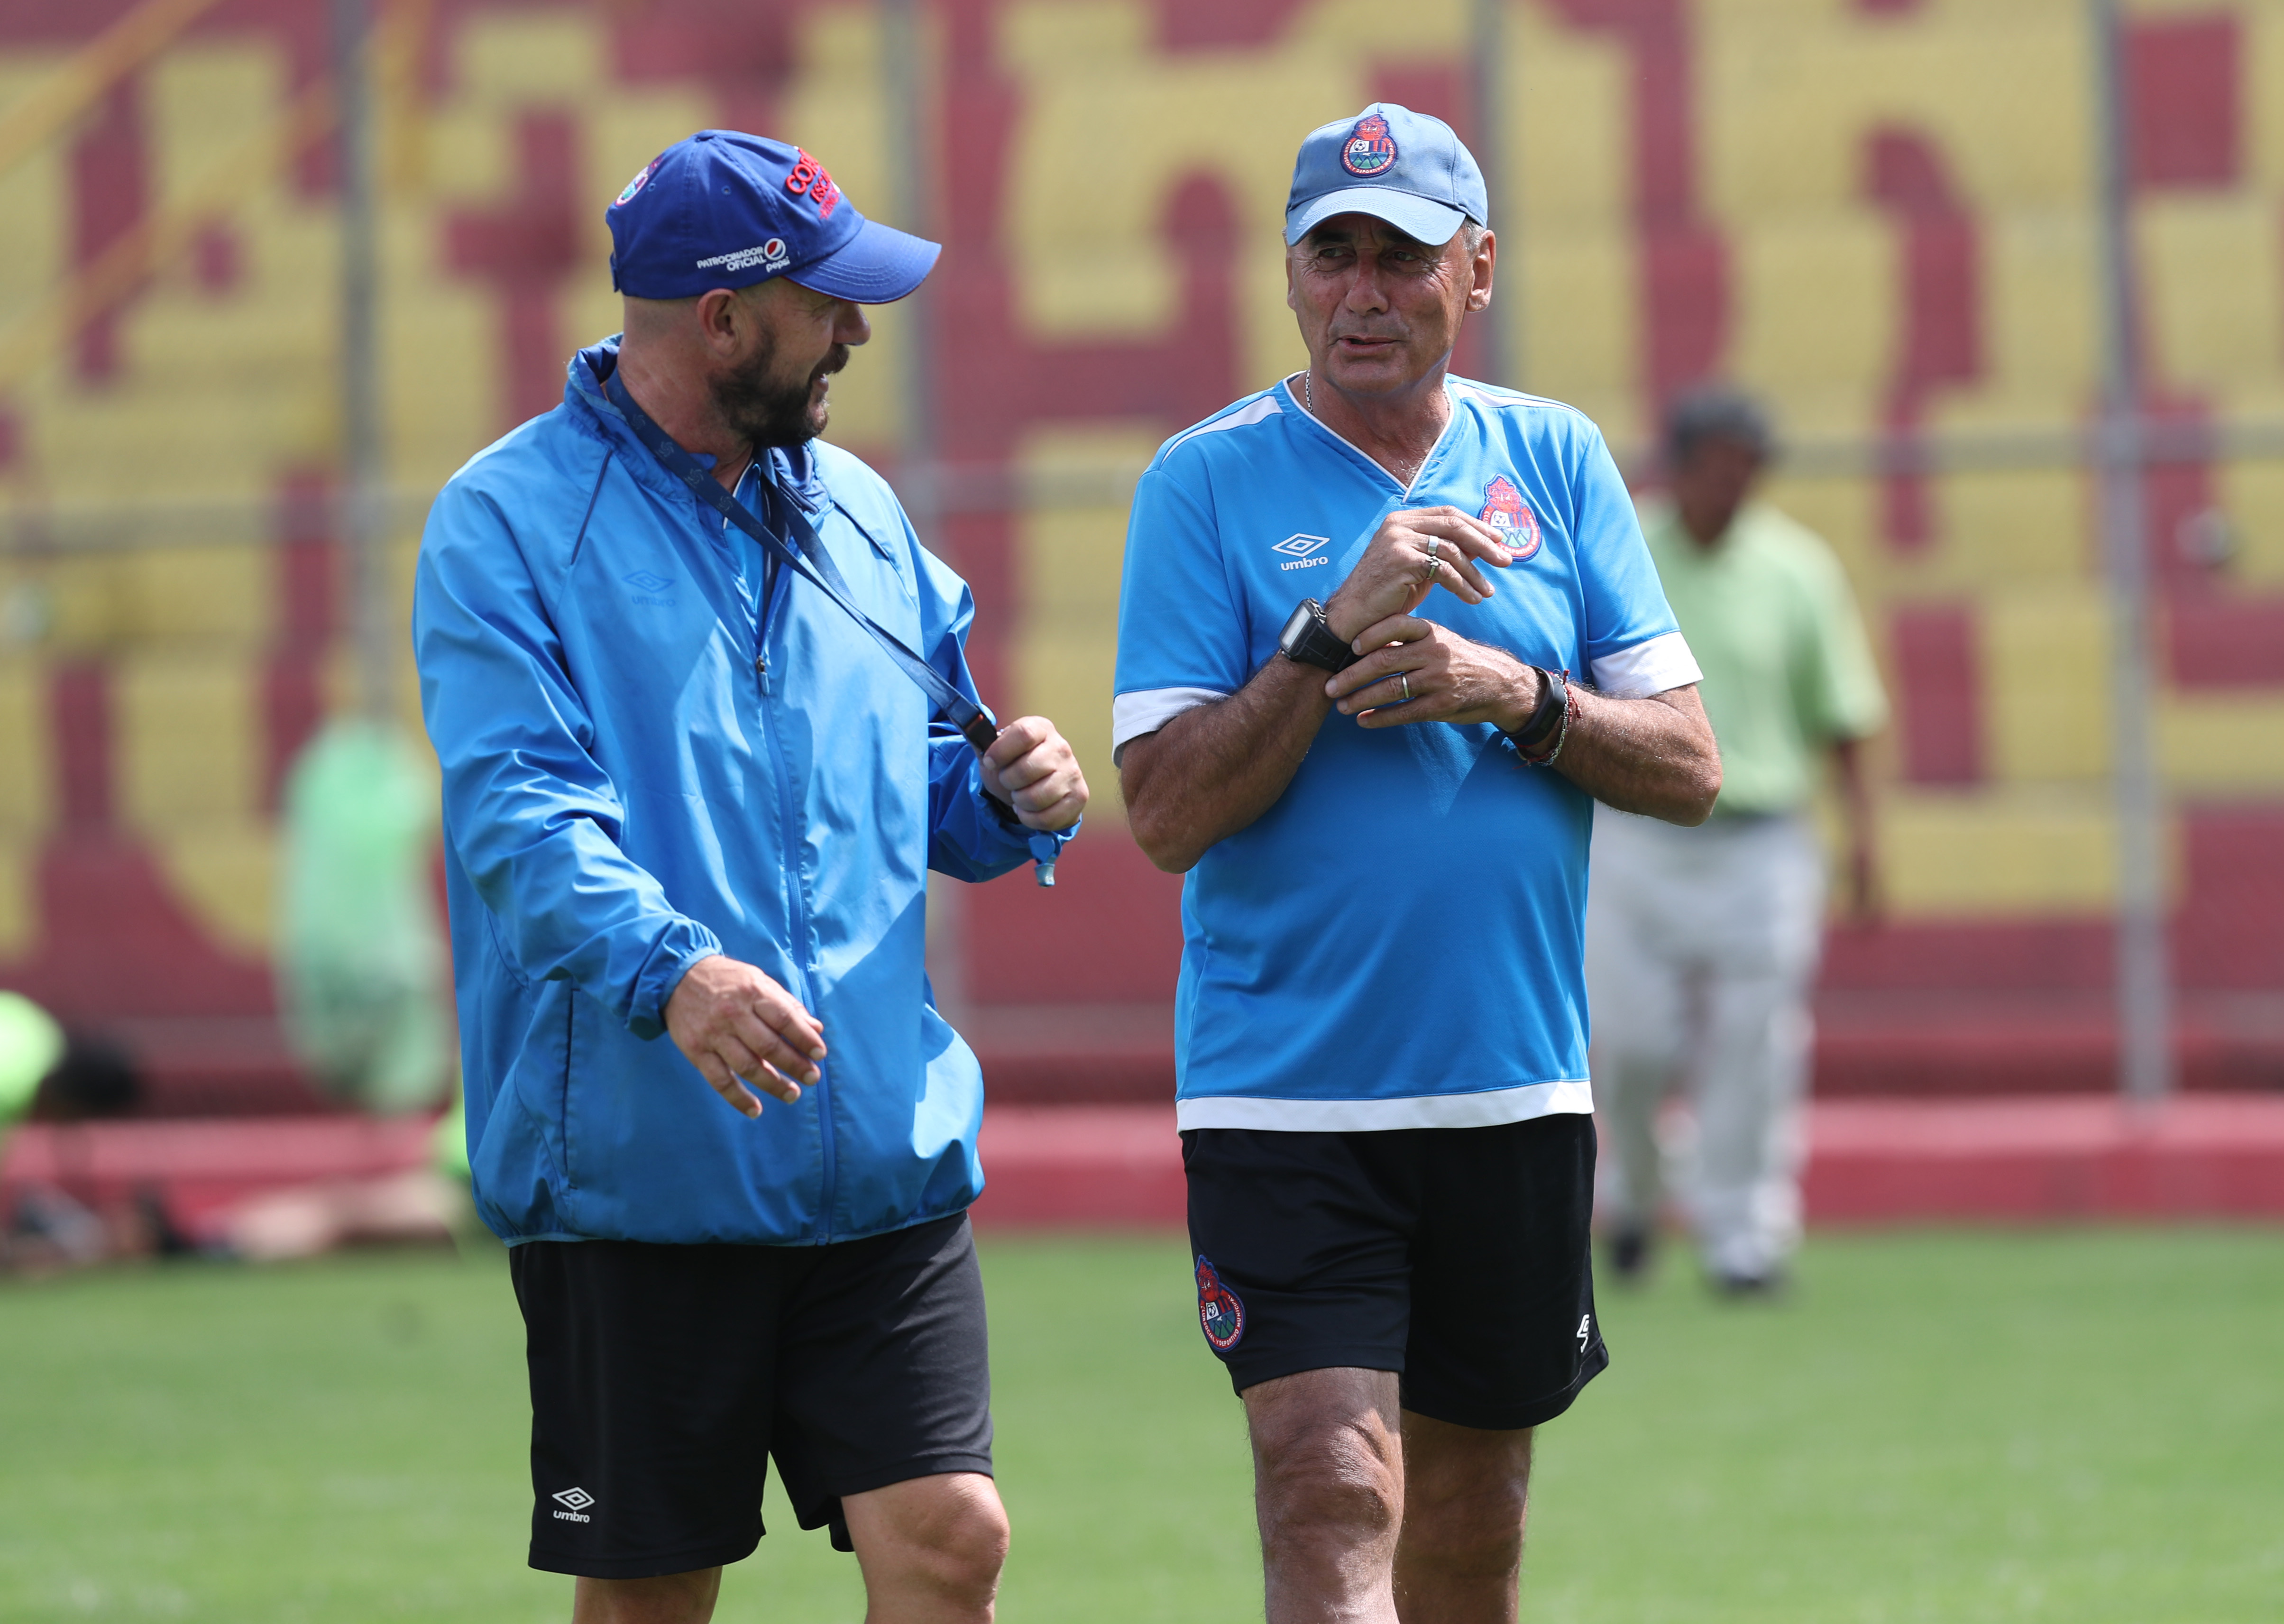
<point>1310,641</point>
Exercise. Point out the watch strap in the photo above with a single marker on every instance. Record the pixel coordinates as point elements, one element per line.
<point>1540,736</point>
<point>1318,645</point>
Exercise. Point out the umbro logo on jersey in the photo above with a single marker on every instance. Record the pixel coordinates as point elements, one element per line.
<point>574,1503</point>
<point>1300,548</point>
<point>643,581</point>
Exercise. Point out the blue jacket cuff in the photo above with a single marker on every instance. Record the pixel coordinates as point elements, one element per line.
<point>683,944</point>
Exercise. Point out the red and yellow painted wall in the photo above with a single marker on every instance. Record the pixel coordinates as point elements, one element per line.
<point>1876,212</point>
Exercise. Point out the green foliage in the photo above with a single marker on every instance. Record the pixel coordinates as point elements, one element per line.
<point>2074,1428</point>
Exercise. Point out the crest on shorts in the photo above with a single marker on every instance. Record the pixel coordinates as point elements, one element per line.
<point>1219,1311</point>
<point>1506,512</point>
<point>1369,149</point>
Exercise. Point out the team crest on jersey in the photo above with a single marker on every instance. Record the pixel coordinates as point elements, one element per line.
<point>1506,512</point>
<point>1370,148</point>
<point>1219,1311</point>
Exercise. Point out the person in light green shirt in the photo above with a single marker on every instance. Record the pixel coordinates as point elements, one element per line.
<point>1702,944</point>
<point>31,1043</point>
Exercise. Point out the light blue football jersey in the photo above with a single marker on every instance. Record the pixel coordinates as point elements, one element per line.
<point>1398,941</point>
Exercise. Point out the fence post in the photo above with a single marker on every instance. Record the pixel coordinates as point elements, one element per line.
<point>364,461</point>
<point>1502,321</point>
<point>2144,1050</point>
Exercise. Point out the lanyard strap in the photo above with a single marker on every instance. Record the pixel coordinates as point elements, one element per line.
<point>812,563</point>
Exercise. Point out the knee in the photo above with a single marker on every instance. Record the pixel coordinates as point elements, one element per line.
<point>1341,1481</point>
<point>957,1548</point>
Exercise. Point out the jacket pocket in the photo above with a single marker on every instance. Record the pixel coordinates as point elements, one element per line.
<point>565,1104</point>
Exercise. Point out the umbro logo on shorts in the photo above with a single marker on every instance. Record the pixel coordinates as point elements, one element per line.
<point>574,1502</point>
<point>1299,549</point>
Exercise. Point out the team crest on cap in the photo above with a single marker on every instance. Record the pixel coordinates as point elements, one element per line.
<point>1219,1311</point>
<point>1369,149</point>
<point>641,180</point>
<point>1506,512</point>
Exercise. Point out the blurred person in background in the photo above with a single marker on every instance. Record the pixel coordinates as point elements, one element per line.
<point>1702,944</point>
<point>31,1043</point>
<point>690,808</point>
<point>1382,802</point>
<point>62,1080</point>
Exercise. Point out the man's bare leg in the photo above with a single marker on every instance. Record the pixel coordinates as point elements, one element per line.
<point>672,1599</point>
<point>1459,1556</point>
<point>931,1549</point>
<point>1328,1489</point>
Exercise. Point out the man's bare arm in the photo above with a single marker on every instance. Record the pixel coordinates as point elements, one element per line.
<point>1865,902</point>
<point>1212,770</point>
<point>1655,755</point>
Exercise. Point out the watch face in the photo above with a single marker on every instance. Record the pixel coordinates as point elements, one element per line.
<point>1294,628</point>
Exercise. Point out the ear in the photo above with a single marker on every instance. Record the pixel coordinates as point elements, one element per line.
<point>1292,294</point>
<point>1486,257</point>
<point>724,324</point>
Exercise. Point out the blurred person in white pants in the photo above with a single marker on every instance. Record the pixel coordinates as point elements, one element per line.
<point>1702,944</point>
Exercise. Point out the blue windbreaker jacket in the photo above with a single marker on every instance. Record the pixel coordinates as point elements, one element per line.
<point>644,764</point>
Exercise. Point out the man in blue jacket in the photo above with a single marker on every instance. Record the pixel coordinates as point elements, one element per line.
<point>691,797</point>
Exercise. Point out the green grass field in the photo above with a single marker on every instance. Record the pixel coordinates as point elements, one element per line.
<point>2079,1427</point>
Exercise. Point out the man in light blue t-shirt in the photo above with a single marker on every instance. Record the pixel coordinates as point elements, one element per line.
<point>1381,1026</point>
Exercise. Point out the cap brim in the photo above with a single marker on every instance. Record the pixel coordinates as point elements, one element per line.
<point>878,265</point>
<point>1416,217</point>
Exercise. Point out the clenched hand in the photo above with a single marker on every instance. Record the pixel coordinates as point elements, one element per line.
<point>1031,768</point>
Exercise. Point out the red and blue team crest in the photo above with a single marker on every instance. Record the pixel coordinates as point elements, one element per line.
<point>636,185</point>
<point>1219,1311</point>
<point>1370,148</point>
<point>1506,512</point>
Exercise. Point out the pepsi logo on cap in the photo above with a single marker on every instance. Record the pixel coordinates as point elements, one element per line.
<point>1369,149</point>
<point>1506,512</point>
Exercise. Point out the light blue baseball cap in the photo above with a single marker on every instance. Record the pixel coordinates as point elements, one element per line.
<point>1394,164</point>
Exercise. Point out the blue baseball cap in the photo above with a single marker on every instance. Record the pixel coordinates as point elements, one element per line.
<point>1393,164</point>
<point>722,209</point>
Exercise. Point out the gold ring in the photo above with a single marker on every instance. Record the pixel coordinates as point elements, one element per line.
<point>1404,677</point>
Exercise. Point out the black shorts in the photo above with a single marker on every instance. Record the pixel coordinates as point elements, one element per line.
<point>1457,1257</point>
<point>664,1377</point>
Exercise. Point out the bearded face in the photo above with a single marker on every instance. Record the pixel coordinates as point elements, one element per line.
<point>760,403</point>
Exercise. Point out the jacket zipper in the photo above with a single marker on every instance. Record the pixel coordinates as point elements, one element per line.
<point>789,827</point>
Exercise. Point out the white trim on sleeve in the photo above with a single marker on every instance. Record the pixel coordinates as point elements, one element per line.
<point>1648,668</point>
<point>1490,1108</point>
<point>1133,714</point>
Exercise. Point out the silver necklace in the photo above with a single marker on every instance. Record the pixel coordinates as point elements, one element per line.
<point>1309,404</point>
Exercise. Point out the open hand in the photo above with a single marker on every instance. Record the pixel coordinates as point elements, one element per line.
<point>737,1025</point>
<point>1031,768</point>
<point>1414,550</point>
